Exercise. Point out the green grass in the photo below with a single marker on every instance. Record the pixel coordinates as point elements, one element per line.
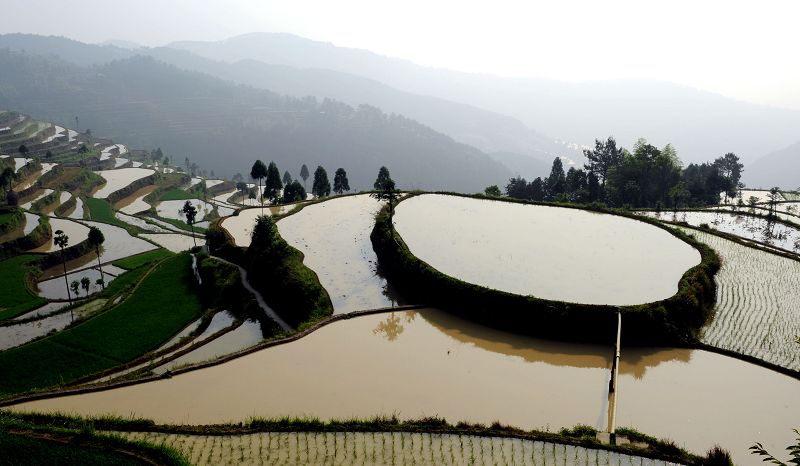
<point>6,217</point>
<point>139,260</point>
<point>182,225</point>
<point>22,450</point>
<point>15,298</point>
<point>42,439</point>
<point>100,210</point>
<point>176,194</point>
<point>163,304</point>
<point>123,282</point>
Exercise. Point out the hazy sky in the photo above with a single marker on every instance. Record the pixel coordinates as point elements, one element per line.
<point>744,49</point>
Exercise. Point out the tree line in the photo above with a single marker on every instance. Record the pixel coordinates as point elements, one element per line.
<point>279,188</point>
<point>645,177</point>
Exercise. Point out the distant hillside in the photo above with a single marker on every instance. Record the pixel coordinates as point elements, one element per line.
<point>63,48</point>
<point>224,127</point>
<point>485,130</point>
<point>780,168</point>
<point>701,125</point>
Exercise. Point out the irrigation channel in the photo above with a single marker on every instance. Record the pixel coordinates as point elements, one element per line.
<point>416,363</point>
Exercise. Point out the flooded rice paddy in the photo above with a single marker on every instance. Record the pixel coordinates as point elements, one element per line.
<point>118,179</point>
<point>174,242</point>
<point>334,237</point>
<point>429,363</point>
<point>141,223</point>
<point>47,309</point>
<point>758,304</point>
<point>134,203</point>
<point>56,288</point>
<point>118,244</point>
<point>171,209</point>
<point>244,336</point>
<point>43,193</point>
<point>74,230</point>
<point>31,222</point>
<point>12,336</point>
<point>340,448</point>
<point>241,225</point>
<point>744,226</point>
<point>77,212</point>
<point>760,194</point>
<point>549,252</point>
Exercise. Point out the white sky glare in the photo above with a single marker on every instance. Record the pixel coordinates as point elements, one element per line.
<point>743,49</point>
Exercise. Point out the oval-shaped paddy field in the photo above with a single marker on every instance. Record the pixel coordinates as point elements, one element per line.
<point>553,253</point>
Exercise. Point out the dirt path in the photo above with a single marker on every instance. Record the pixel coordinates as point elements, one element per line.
<point>260,299</point>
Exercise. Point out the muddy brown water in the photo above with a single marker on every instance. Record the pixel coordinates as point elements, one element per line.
<point>430,363</point>
<point>550,252</point>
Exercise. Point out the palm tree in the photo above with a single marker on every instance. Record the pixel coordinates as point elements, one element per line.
<point>86,282</point>
<point>61,240</point>
<point>96,238</point>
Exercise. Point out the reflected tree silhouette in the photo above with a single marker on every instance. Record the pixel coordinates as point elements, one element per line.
<point>391,328</point>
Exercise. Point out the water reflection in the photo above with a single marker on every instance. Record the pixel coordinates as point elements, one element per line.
<point>634,361</point>
<point>442,366</point>
<point>392,326</point>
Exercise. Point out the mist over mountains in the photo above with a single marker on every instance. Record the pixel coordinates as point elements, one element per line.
<point>511,125</point>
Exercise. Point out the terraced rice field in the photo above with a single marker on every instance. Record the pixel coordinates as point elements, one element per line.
<point>758,303</point>
<point>743,226</point>
<point>549,252</point>
<point>118,244</point>
<point>174,242</point>
<point>334,237</point>
<point>31,222</point>
<point>15,335</point>
<point>55,288</point>
<point>246,335</point>
<point>135,203</point>
<point>746,194</point>
<point>118,179</point>
<point>138,222</point>
<point>77,212</point>
<point>346,448</point>
<point>240,226</point>
<point>792,208</point>
<point>427,363</point>
<point>76,232</point>
<point>45,192</point>
<point>171,209</point>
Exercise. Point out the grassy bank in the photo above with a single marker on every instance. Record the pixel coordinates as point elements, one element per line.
<point>277,271</point>
<point>100,210</point>
<point>164,303</point>
<point>40,235</point>
<point>10,219</point>
<point>676,320</point>
<point>28,443</point>
<point>144,258</point>
<point>15,296</point>
<point>71,179</point>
